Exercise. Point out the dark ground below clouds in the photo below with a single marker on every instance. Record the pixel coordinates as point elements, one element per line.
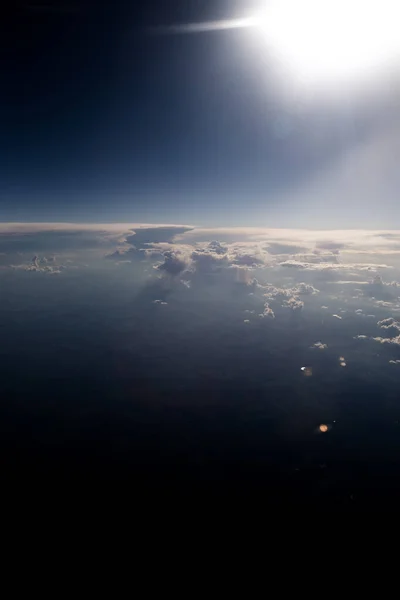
<point>155,454</point>
<point>184,401</point>
<point>148,437</point>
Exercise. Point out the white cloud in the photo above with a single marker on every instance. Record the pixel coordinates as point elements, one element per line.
<point>294,304</point>
<point>207,261</point>
<point>304,289</point>
<point>331,266</point>
<point>175,262</point>
<point>320,346</point>
<point>268,312</point>
<point>389,323</point>
<point>394,340</point>
<point>41,265</point>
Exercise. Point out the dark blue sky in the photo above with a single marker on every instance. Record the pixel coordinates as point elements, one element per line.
<point>104,120</point>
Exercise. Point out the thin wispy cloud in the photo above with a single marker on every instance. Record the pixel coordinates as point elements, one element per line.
<point>204,27</point>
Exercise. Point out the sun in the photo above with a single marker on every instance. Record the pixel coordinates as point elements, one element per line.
<point>332,40</point>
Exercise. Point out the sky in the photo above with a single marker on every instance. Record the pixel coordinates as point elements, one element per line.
<point>200,249</point>
<point>109,116</point>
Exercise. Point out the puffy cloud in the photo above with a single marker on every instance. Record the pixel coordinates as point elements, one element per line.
<point>268,312</point>
<point>288,297</point>
<point>207,262</point>
<point>248,260</point>
<point>41,265</point>
<point>294,304</point>
<point>274,241</point>
<point>381,290</point>
<point>174,263</point>
<point>337,317</point>
<point>389,323</point>
<point>137,241</point>
<point>394,340</point>
<point>293,264</point>
<point>305,289</point>
<point>319,345</point>
<point>299,261</point>
<point>217,247</point>
<point>275,293</point>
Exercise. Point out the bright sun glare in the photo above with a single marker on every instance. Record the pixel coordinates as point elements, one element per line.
<point>330,40</point>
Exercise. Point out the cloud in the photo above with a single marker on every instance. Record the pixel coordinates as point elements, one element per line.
<point>334,247</point>
<point>294,304</point>
<point>277,248</point>
<point>66,238</point>
<point>175,262</point>
<point>248,260</point>
<point>217,247</point>
<point>134,243</point>
<point>41,265</point>
<point>300,261</point>
<point>123,254</point>
<point>151,235</point>
<point>320,346</point>
<point>337,317</point>
<point>304,289</point>
<point>206,261</point>
<point>332,265</point>
<point>288,297</point>
<point>389,323</point>
<point>385,304</point>
<point>207,26</point>
<point>394,340</point>
<point>268,312</point>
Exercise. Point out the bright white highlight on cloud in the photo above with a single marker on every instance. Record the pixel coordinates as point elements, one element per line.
<point>327,40</point>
